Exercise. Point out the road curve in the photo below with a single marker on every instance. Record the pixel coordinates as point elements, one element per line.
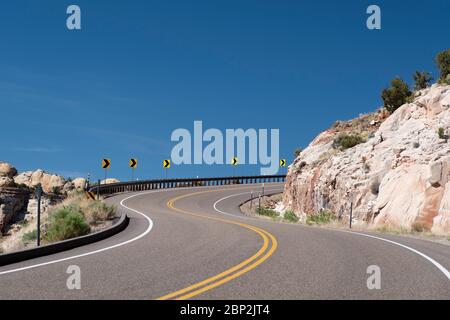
<point>193,243</point>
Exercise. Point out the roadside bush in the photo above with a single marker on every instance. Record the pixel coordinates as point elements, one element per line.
<point>397,95</point>
<point>345,141</point>
<point>419,226</point>
<point>29,236</point>
<point>297,152</point>
<point>95,211</point>
<point>267,212</point>
<point>290,216</point>
<point>323,217</point>
<point>66,223</point>
<point>443,63</point>
<point>422,80</point>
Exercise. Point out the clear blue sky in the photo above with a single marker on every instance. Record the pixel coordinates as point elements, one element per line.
<point>140,69</point>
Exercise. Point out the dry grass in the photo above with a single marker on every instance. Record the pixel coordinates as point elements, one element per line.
<point>56,225</point>
<point>94,211</point>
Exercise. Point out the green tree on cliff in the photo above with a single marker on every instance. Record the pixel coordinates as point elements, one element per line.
<point>395,96</point>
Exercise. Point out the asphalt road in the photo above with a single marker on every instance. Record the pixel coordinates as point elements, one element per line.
<point>194,243</point>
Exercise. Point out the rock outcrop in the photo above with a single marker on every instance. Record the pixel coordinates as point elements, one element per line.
<point>12,201</point>
<point>399,177</point>
<point>109,180</point>
<point>50,182</point>
<point>7,173</point>
<point>15,193</point>
<point>79,183</point>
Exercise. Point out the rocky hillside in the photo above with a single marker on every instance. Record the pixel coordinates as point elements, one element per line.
<point>17,198</point>
<point>397,176</point>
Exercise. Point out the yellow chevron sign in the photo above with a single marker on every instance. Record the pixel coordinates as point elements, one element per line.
<point>282,162</point>
<point>166,163</point>
<point>133,163</point>
<point>106,163</point>
<point>234,161</point>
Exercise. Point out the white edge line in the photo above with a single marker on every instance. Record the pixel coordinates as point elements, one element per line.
<point>235,195</point>
<point>434,262</point>
<point>149,228</point>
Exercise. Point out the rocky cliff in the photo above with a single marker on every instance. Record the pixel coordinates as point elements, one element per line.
<point>16,195</point>
<point>399,176</point>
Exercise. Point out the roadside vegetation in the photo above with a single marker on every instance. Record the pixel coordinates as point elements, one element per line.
<point>322,217</point>
<point>29,236</point>
<point>290,216</point>
<point>267,212</point>
<point>75,216</point>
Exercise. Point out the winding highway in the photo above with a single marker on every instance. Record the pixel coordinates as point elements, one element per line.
<point>194,243</point>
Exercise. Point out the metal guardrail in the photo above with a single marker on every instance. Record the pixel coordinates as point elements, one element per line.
<point>107,189</point>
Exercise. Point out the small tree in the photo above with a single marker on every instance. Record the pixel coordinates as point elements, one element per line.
<point>422,80</point>
<point>297,152</point>
<point>395,96</point>
<point>443,63</point>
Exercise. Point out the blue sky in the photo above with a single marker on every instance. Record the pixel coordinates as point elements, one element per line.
<point>140,69</point>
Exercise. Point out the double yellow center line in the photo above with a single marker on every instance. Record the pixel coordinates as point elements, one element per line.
<point>267,249</point>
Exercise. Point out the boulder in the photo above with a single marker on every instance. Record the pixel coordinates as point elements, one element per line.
<point>50,182</point>
<point>79,183</point>
<point>109,180</point>
<point>7,170</point>
<point>6,182</point>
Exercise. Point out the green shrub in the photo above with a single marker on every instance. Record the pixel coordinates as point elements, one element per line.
<point>441,133</point>
<point>66,223</point>
<point>323,217</point>
<point>345,141</point>
<point>267,212</point>
<point>422,80</point>
<point>443,63</point>
<point>29,236</point>
<point>397,95</point>
<point>290,216</point>
<point>96,211</point>
<point>297,152</point>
